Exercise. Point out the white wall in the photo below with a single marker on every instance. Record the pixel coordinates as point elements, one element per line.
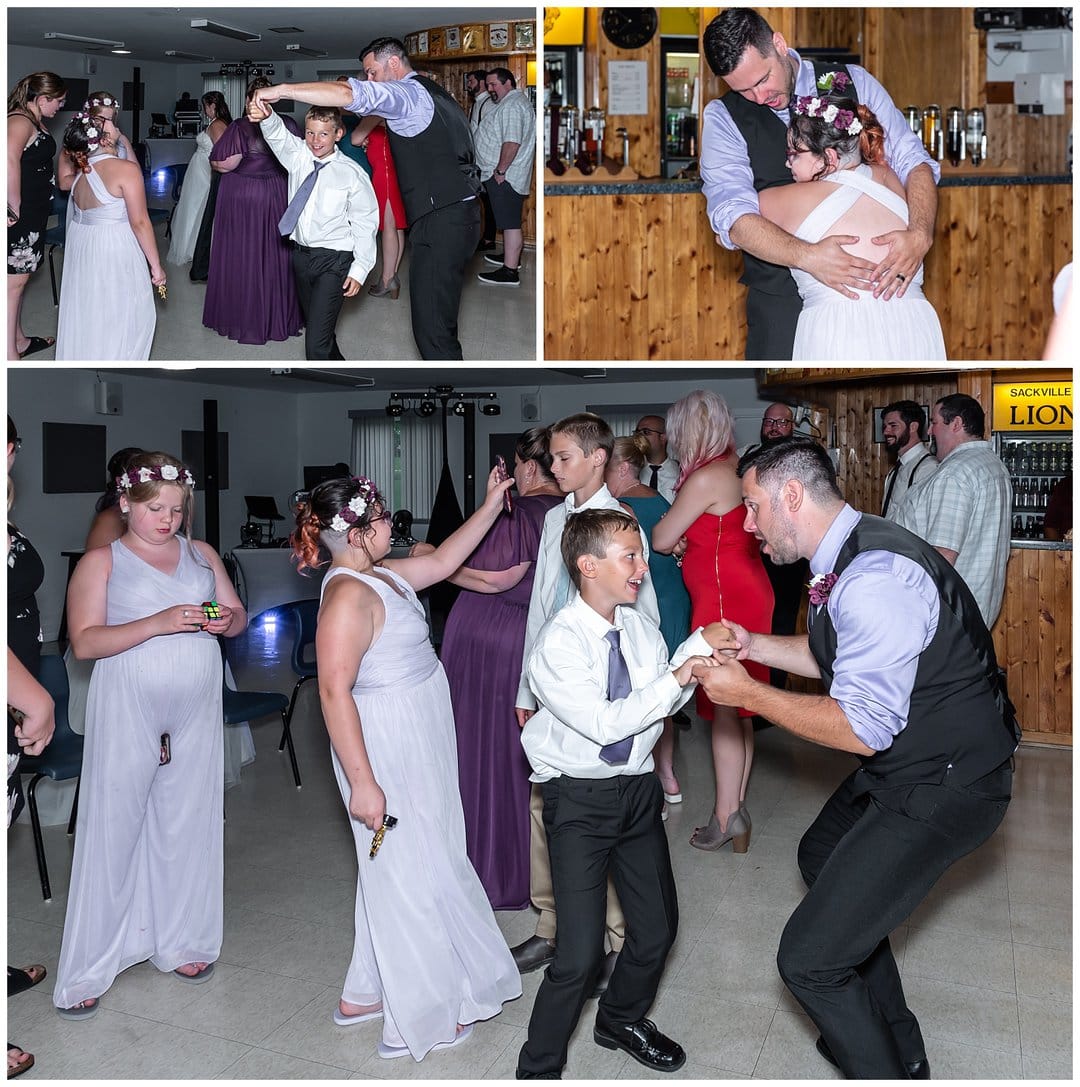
<point>164,80</point>
<point>263,456</point>
<point>325,430</point>
<point>272,435</point>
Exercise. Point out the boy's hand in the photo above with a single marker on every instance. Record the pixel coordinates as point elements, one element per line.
<point>720,636</point>
<point>351,288</point>
<point>685,673</point>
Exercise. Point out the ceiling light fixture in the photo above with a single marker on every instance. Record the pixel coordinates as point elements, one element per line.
<point>80,39</point>
<point>303,50</point>
<point>121,52</point>
<point>225,31</point>
<point>181,55</point>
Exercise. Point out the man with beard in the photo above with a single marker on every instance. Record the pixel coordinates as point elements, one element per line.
<point>917,699</point>
<point>778,425</point>
<point>904,427</point>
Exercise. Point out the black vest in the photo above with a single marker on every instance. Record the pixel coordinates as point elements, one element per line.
<point>766,141</point>
<point>436,168</point>
<point>959,715</point>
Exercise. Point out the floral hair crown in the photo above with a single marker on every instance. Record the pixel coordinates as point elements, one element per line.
<point>89,123</point>
<point>843,120</point>
<point>104,100</point>
<point>163,473</point>
<point>357,506</point>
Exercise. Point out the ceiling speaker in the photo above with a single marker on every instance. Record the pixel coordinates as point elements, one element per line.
<point>530,407</point>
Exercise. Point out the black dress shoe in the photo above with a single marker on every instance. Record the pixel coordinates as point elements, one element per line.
<point>519,1074</point>
<point>607,968</point>
<point>644,1043</point>
<point>532,954</point>
<point>915,1069</point>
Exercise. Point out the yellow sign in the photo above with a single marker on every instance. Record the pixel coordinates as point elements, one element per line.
<point>1033,405</point>
<point>564,26</point>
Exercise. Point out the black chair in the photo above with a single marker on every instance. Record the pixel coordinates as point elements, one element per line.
<point>305,614</point>
<point>241,706</point>
<point>56,236</point>
<point>61,760</point>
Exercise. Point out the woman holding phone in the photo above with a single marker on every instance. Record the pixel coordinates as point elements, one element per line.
<point>481,652</point>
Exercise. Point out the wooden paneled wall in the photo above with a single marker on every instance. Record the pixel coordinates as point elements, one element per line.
<point>640,277</point>
<point>644,130</point>
<point>922,56</point>
<point>450,75</point>
<point>1033,642</point>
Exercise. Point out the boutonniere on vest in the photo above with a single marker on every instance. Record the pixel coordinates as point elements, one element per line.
<point>821,585</point>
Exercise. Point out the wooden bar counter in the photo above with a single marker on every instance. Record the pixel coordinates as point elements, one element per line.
<point>632,270</point>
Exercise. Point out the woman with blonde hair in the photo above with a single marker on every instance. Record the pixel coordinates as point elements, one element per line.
<point>726,579</point>
<point>146,880</point>
<point>36,99</point>
<point>622,476</point>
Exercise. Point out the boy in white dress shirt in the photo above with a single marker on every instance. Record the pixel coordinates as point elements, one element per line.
<point>580,448</point>
<point>600,670</point>
<point>334,232</point>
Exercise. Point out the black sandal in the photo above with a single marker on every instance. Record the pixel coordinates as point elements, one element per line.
<point>36,344</point>
<point>21,980</point>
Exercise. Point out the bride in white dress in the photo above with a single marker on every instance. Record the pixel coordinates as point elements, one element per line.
<point>836,153</point>
<point>187,218</point>
<point>107,292</point>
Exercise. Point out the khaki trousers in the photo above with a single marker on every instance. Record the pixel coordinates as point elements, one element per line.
<point>540,889</point>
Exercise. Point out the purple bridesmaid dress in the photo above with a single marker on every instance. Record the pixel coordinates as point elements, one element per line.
<point>481,653</point>
<point>250,294</point>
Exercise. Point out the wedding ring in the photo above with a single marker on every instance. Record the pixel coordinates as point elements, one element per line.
<point>900,276</point>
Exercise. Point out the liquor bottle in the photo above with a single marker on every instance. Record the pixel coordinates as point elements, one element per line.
<point>1018,527</point>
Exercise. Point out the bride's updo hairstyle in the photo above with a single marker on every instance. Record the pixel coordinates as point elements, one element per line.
<point>82,138</point>
<point>329,513</point>
<point>829,124</point>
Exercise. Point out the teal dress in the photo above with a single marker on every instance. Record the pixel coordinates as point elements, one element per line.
<point>667,579</point>
<point>345,144</point>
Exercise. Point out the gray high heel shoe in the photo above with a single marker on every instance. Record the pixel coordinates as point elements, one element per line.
<point>391,290</point>
<point>711,838</point>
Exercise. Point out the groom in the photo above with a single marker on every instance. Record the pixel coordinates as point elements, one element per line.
<point>440,182</point>
<point>917,699</point>
<point>743,150</point>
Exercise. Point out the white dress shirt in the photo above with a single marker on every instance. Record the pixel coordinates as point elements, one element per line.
<point>909,472</point>
<point>550,571</point>
<point>568,670</point>
<point>666,478</point>
<point>481,104</point>
<point>342,212</point>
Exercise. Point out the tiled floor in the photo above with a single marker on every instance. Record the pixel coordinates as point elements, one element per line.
<point>496,324</point>
<point>986,960</point>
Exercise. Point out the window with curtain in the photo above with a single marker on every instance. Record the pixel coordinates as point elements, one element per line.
<point>401,454</point>
<point>233,87</point>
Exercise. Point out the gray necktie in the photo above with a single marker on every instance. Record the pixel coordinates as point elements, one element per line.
<point>618,686</point>
<point>299,201</point>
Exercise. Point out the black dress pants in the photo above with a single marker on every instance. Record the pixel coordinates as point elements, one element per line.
<point>320,275</point>
<point>441,244</point>
<point>200,261</point>
<point>770,324</point>
<point>595,827</point>
<point>869,859</point>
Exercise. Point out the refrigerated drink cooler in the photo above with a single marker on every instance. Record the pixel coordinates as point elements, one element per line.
<point>1036,463</point>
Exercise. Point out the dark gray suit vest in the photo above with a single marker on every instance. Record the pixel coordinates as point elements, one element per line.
<point>437,167</point>
<point>959,714</point>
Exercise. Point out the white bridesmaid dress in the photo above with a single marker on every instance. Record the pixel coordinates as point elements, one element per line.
<point>187,218</point>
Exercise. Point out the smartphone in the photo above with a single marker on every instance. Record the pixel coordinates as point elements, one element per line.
<point>508,500</point>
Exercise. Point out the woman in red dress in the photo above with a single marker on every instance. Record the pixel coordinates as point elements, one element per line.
<point>724,574</point>
<point>370,134</point>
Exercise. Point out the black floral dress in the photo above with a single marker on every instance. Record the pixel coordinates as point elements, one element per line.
<point>26,239</point>
<point>26,572</point>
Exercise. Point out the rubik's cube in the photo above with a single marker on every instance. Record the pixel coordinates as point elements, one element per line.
<point>212,609</point>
